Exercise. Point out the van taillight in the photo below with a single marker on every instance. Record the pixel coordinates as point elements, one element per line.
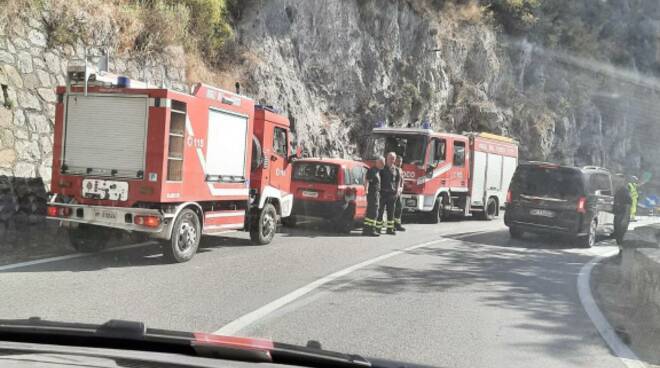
<point>508,196</point>
<point>582,205</point>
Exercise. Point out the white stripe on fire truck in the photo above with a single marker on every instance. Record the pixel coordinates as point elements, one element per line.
<point>214,191</point>
<point>228,191</point>
<point>436,173</point>
<point>223,227</point>
<point>225,214</point>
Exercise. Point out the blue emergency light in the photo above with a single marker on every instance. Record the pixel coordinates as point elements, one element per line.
<point>123,82</point>
<point>426,125</point>
<point>380,124</point>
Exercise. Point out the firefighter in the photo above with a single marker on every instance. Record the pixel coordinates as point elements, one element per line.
<point>398,206</point>
<point>373,199</point>
<point>389,177</point>
<point>634,195</point>
<point>622,211</point>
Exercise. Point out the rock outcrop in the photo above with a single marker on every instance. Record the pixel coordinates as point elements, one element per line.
<point>336,67</point>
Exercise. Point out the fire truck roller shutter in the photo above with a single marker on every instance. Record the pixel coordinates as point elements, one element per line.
<point>226,152</point>
<point>509,165</point>
<point>478,178</point>
<point>105,133</point>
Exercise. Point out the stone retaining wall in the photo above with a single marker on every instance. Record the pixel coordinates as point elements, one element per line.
<point>30,70</point>
<point>642,275</point>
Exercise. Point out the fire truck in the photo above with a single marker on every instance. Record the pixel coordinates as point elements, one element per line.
<point>168,164</point>
<point>447,174</point>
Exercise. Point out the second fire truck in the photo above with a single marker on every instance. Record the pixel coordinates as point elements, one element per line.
<point>448,173</point>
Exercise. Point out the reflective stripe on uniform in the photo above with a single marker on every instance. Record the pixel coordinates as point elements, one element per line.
<point>370,222</point>
<point>390,224</point>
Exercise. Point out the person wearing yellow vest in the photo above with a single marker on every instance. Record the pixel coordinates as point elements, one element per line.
<point>634,195</point>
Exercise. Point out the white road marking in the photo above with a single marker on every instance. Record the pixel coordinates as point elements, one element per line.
<point>71,256</point>
<point>248,319</point>
<point>621,350</point>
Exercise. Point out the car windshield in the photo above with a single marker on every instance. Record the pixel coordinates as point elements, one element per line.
<point>315,172</point>
<point>213,167</point>
<point>411,148</point>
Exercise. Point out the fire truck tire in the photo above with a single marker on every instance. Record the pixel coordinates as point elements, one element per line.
<point>290,221</point>
<point>263,231</point>
<point>437,213</point>
<point>490,210</point>
<point>88,238</point>
<point>186,234</point>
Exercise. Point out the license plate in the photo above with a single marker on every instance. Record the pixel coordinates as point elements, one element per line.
<point>544,213</point>
<point>106,215</point>
<point>309,194</point>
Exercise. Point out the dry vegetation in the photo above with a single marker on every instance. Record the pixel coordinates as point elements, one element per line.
<point>137,27</point>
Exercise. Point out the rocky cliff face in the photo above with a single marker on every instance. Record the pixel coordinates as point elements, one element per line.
<point>337,67</point>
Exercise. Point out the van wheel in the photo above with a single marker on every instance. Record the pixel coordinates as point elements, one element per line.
<point>516,233</point>
<point>89,238</point>
<point>490,210</point>
<point>263,231</point>
<point>186,233</point>
<point>437,213</point>
<point>589,240</point>
<point>290,221</point>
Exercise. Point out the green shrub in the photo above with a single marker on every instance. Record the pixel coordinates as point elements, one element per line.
<point>515,15</point>
<point>163,24</point>
<point>209,25</point>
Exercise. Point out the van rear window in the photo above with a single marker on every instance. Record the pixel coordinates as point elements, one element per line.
<point>547,182</point>
<point>316,172</point>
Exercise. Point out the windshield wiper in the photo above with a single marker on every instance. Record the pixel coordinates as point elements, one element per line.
<point>130,335</point>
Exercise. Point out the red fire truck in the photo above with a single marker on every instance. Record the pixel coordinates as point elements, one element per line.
<point>449,173</point>
<point>169,164</point>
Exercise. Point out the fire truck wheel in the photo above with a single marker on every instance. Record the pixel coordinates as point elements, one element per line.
<point>186,234</point>
<point>290,221</point>
<point>489,211</point>
<point>436,215</point>
<point>264,230</point>
<point>88,238</point>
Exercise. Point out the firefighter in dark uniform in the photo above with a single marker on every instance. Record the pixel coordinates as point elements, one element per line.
<point>373,199</point>
<point>398,205</point>
<point>389,181</point>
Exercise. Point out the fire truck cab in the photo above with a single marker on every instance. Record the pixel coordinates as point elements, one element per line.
<point>448,173</point>
<point>165,163</point>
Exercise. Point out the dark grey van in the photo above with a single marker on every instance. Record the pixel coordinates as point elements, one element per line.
<point>560,200</point>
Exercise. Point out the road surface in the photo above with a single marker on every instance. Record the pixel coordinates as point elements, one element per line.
<point>467,295</point>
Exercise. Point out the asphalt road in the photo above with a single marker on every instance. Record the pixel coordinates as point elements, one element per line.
<point>473,297</point>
